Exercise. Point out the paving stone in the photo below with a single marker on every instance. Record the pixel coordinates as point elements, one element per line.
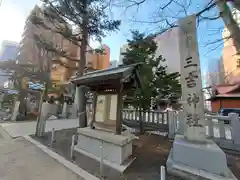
<point>21,160</point>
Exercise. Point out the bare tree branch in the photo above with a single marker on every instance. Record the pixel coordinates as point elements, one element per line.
<point>164,15</point>
<point>210,18</point>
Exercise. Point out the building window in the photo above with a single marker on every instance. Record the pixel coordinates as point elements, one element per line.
<point>238,63</point>
<point>54,66</point>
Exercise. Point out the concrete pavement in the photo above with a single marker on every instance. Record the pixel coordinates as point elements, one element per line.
<point>22,160</point>
<point>28,128</point>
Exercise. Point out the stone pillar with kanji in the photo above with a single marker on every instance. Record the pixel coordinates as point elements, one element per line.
<point>194,156</point>
<point>191,81</point>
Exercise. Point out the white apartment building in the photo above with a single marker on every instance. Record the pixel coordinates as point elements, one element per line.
<point>122,50</point>
<point>113,64</point>
<point>168,47</point>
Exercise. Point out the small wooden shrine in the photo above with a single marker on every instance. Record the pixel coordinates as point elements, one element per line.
<point>108,87</point>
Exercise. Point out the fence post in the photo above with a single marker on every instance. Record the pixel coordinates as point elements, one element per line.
<point>235,123</point>
<point>210,132</point>
<point>52,137</point>
<point>141,121</point>
<point>101,160</point>
<point>222,132</point>
<point>171,124</point>
<point>65,110</point>
<point>163,173</point>
<point>72,146</point>
<point>181,122</point>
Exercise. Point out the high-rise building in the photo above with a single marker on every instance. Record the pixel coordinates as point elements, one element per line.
<point>213,76</point>
<point>113,64</point>
<point>123,49</point>
<point>30,50</point>
<point>98,61</point>
<point>8,51</point>
<point>62,68</point>
<point>214,72</point>
<point>168,47</point>
<point>231,60</point>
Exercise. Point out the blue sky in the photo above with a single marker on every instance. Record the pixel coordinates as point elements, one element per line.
<point>14,12</point>
<point>208,31</point>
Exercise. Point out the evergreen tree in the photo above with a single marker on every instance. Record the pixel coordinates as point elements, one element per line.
<point>89,17</point>
<point>157,82</point>
<point>19,72</point>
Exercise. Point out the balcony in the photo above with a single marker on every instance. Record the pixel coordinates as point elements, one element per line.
<point>90,65</point>
<point>61,74</point>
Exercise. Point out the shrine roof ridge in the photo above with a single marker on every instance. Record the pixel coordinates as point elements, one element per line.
<point>114,68</point>
<point>107,72</point>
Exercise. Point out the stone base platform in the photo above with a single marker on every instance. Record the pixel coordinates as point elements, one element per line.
<point>117,149</point>
<point>198,161</point>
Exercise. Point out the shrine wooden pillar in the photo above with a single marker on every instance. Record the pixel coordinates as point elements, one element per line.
<point>119,110</point>
<point>94,106</point>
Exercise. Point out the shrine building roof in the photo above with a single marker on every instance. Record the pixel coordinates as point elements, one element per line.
<point>107,76</point>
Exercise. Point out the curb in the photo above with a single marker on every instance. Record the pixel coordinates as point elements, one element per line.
<point>79,171</point>
<point>5,134</point>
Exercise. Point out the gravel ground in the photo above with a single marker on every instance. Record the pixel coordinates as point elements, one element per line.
<point>151,151</point>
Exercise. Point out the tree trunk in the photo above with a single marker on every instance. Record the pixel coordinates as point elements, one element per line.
<point>230,23</point>
<point>38,128</point>
<point>83,50</point>
<point>82,107</point>
<point>22,95</point>
<point>21,100</point>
